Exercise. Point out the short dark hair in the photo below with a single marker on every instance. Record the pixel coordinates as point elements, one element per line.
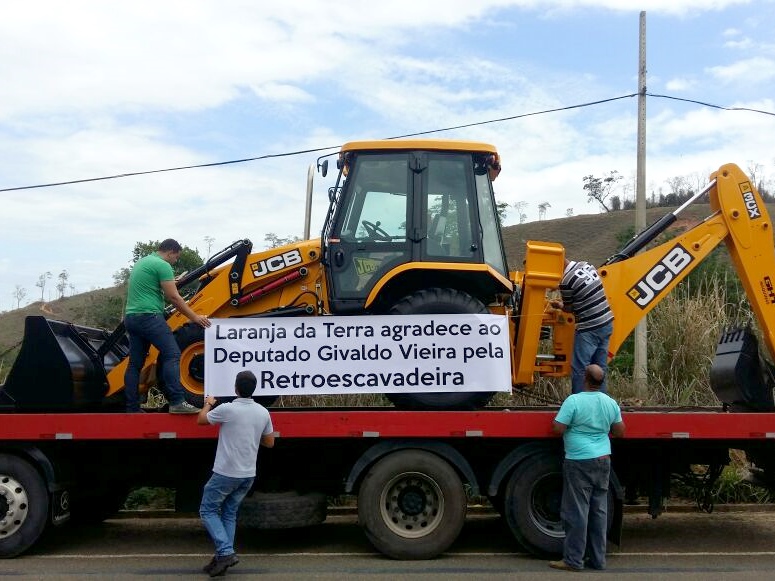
<point>170,244</point>
<point>245,383</point>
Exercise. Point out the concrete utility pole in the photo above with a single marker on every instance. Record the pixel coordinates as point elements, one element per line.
<point>641,347</point>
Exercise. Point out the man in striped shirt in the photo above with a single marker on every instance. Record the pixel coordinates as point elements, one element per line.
<point>583,295</point>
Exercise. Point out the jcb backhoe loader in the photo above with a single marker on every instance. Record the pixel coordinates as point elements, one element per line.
<point>412,228</point>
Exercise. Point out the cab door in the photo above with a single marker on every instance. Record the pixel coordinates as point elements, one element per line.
<point>369,236</point>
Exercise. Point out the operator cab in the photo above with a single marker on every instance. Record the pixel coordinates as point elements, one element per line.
<point>410,203</point>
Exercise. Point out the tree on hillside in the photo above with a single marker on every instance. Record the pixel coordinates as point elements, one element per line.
<point>520,208</point>
<point>62,284</point>
<point>41,284</point>
<point>542,209</point>
<point>18,294</point>
<point>273,240</point>
<point>502,209</point>
<point>601,189</point>
<point>209,241</point>
<point>188,261</point>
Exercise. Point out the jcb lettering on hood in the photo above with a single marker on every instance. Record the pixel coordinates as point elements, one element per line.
<point>275,263</point>
<point>660,276</point>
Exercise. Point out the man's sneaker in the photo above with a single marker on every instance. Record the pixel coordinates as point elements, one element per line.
<point>563,566</point>
<point>183,408</point>
<point>223,563</point>
<point>209,567</point>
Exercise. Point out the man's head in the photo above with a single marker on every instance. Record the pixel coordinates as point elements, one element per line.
<point>169,250</point>
<point>245,384</point>
<point>593,377</point>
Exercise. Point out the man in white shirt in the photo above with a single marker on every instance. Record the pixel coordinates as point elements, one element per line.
<point>244,425</point>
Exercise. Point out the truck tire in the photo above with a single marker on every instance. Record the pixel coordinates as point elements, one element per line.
<point>532,504</point>
<point>24,504</point>
<point>191,340</point>
<point>439,301</point>
<point>412,505</point>
<point>282,510</point>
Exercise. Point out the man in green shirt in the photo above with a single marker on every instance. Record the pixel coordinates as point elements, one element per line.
<point>150,282</point>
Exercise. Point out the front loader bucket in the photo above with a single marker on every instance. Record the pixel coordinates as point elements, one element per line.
<point>738,376</point>
<point>60,367</point>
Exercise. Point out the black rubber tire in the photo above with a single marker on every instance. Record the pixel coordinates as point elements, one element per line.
<point>191,340</point>
<point>282,510</point>
<point>24,493</point>
<point>411,505</point>
<point>438,301</point>
<point>532,504</point>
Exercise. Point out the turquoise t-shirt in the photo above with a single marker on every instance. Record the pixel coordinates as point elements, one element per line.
<point>589,416</point>
<point>144,294</point>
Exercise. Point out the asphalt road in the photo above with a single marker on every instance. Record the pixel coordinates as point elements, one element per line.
<point>722,545</point>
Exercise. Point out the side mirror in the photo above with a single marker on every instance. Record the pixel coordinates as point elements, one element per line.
<point>323,167</point>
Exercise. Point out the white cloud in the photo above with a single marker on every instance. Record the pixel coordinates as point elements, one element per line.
<point>680,84</point>
<point>750,70</point>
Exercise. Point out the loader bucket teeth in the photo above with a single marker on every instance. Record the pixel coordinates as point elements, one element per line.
<point>738,375</point>
<point>58,368</point>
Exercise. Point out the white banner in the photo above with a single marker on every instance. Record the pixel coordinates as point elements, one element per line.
<point>363,354</point>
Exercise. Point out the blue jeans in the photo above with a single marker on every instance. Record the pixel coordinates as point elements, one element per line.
<point>146,330</point>
<point>221,499</point>
<point>590,347</point>
<point>584,510</point>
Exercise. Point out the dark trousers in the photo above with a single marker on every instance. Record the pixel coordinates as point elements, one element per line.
<point>146,330</point>
<point>584,510</point>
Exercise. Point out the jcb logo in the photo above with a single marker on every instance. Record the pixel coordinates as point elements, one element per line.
<point>366,266</point>
<point>769,289</point>
<point>657,279</point>
<point>750,201</point>
<point>275,263</point>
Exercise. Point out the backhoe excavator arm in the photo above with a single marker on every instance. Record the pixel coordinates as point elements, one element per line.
<point>635,285</point>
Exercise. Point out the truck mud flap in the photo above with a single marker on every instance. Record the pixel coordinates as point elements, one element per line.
<point>60,366</point>
<point>739,377</point>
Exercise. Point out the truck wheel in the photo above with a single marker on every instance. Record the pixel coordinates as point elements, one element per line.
<point>439,301</point>
<point>282,510</point>
<point>191,340</point>
<point>532,505</point>
<point>23,505</point>
<point>412,505</point>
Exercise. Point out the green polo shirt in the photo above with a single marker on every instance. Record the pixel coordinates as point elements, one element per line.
<point>145,294</point>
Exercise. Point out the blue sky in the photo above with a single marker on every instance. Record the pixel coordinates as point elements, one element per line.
<point>102,88</point>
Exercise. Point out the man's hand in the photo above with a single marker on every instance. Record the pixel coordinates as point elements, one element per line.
<point>201,419</point>
<point>202,321</point>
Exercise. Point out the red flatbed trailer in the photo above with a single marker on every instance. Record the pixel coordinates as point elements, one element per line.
<point>643,424</point>
<point>412,471</point>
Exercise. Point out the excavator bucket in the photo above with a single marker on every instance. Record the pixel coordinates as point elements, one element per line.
<point>739,377</point>
<point>62,366</point>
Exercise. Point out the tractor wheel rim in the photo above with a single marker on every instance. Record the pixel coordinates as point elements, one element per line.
<point>192,368</point>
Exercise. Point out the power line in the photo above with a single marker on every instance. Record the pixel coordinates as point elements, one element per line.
<point>712,105</point>
<point>429,132</point>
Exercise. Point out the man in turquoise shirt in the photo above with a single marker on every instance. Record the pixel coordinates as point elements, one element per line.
<point>584,421</point>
